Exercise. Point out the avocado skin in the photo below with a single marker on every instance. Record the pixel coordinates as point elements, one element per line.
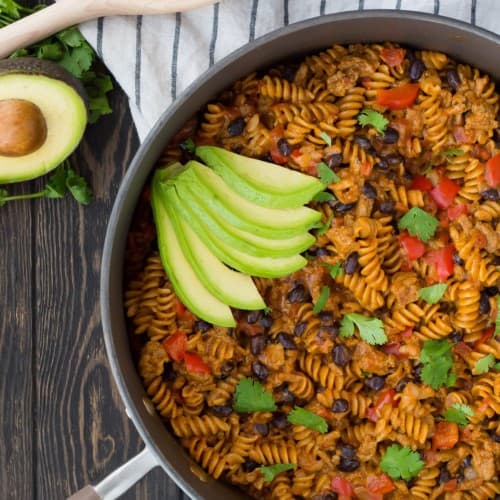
<point>34,66</point>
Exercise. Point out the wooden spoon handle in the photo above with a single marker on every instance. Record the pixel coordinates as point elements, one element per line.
<point>66,13</point>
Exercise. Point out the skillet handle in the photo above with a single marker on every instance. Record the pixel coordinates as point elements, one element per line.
<point>119,481</point>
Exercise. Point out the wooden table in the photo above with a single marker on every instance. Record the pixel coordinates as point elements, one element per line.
<point>62,422</point>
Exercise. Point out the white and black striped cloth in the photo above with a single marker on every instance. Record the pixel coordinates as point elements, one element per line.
<point>154,58</point>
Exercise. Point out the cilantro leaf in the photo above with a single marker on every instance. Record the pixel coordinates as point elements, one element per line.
<point>301,416</point>
<point>71,37</point>
<point>322,300</point>
<point>10,8</point>
<point>484,364</point>
<point>459,413</point>
<point>56,186</point>
<point>371,330</point>
<point>497,366</point>
<point>437,358</point>
<point>326,138</point>
<point>400,462</point>
<point>270,471</point>
<point>323,227</point>
<point>268,309</point>
<point>78,187</point>
<point>189,145</point>
<point>78,60</point>
<point>51,51</point>
<point>497,320</point>
<point>453,152</point>
<point>432,294</point>
<point>323,197</point>
<point>336,270</point>
<point>419,223</point>
<point>370,117</point>
<point>326,175</point>
<point>250,395</point>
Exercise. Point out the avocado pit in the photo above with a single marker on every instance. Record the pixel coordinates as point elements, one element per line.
<point>23,128</point>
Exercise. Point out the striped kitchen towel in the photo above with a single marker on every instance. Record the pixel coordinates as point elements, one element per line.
<point>154,58</point>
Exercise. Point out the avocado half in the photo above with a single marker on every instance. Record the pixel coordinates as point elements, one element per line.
<point>43,111</point>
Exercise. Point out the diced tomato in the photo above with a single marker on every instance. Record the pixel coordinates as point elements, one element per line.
<point>413,247</point>
<point>421,182</point>
<point>392,57</point>
<point>442,260</point>
<point>393,348</point>
<point>444,193</point>
<point>366,168</point>
<point>492,171</point>
<point>451,485</point>
<point>176,345</point>
<point>386,396</point>
<point>277,156</point>
<point>485,337</point>
<point>179,308</point>
<point>445,435</point>
<point>194,364</point>
<point>455,211</point>
<point>342,487</point>
<point>381,483</point>
<point>296,153</point>
<point>407,333</point>
<point>398,97</point>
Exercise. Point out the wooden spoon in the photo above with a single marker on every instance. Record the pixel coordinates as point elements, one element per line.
<point>66,13</point>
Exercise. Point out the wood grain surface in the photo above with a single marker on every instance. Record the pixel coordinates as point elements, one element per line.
<point>62,422</point>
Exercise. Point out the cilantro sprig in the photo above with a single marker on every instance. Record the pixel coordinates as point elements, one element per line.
<point>432,294</point>
<point>326,138</point>
<point>419,223</point>
<point>324,196</point>
<point>271,471</point>
<point>326,175</point>
<point>437,358</point>
<point>336,270</point>
<point>484,364</point>
<point>371,330</point>
<point>250,395</point>
<point>371,117</point>
<point>323,227</point>
<point>400,462</point>
<point>301,416</point>
<point>63,179</point>
<point>322,300</point>
<point>459,413</point>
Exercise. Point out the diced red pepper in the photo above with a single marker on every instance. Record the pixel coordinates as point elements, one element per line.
<point>392,57</point>
<point>444,192</point>
<point>296,153</point>
<point>421,182</point>
<point>342,487</point>
<point>393,348</point>
<point>176,345</point>
<point>407,333</point>
<point>194,364</point>
<point>380,483</point>
<point>442,260</point>
<point>492,171</point>
<point>445,436</point>
<point>277,156</point>
<point>398,97</point>
<point>413,247</point>
<point>455,211</point>
<point>451,485</point>
<point>386,396</point>
<point>485,337</point>
<point>366,168</point>
<point>180,308</point>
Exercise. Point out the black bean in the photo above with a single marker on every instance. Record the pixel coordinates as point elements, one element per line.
<point>322,252</point>
<point>410,55</point>
<point>410,483</point>
<point>457,259</point>
<point>347,451</point>
<point>495,437</point>
<point>444,474</point>
<point>253,317</point>
<point>266,321</point>
<point>288,73</point>
<point>300,328</point>
<point>334,160</point>
<point>257,344</point>
<point>382,164</point>
<point>284,147</point>
<point>369,191</point>
<point>402,384</point>
<point>376,382</point>
<point>351,263</point>
<point>279,420</point>
<point>286,340</point>
<point>227,366</point>
<point>222,410</point>
<point>416,371</point>
<point>236,127</point>
<point>325,317</point>
<point>491,290</point>
<point>456,336</point>
<point>330,331</point>
<point>298,294</point>
<point>453,79</point>
<point>168,374</point>
<point>340,405</point>
<point>262,429</point>
<point>391,136</point>
<point>260,370</point>
<point>341,355</point>
<point>372,151</point>
<point>491,194</point>
<point>202,326</point>
<point>362,141</point>
<point>467,461</point>
<point>324,496</point>
<point>344,207</point>
<point>484,303</point>
<point>230,330</point>
<point>348,464</point>
<point>287,397</point>
<point>387,207</point>
<point>416,69</point>
<point>250,465</point>
<point>393,159</point>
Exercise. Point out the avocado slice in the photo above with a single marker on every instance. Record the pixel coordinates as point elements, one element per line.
<point>262,182</point>
<point>44,115</point>
<point>266,267</point>
<point>242,240</point>
<point>184,279</point>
